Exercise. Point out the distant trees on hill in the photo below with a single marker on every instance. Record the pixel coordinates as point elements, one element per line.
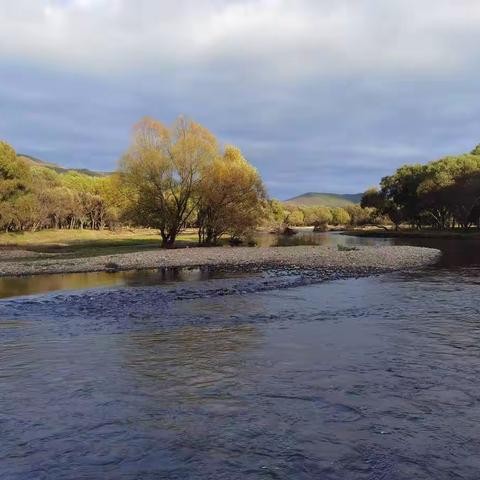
<point>35,197</point>
<point>441,194</point>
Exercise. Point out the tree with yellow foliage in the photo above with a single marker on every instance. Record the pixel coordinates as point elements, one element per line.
<point>164,167</point>
<point>231,197</point>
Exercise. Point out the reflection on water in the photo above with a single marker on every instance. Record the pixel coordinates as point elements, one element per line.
<point>464,252</point>
<point>34,284</point>
<point>360,379</point>
<point>309,237</point>
<point>29,285</point>
<point>166,356</point>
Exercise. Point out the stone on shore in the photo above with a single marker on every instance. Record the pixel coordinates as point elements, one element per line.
<point>383,258</point>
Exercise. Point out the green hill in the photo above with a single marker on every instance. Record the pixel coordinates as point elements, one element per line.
<point>325,199</point>
<point>58,168</point>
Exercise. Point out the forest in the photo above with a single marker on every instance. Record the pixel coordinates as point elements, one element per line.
<point>442,194</point>
<point>170,178</point>
<point>179,176</point>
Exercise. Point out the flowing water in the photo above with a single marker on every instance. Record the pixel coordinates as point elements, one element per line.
<point>158,376</point>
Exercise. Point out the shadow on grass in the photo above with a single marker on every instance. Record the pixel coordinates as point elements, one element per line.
<point>67,244</point>
<point>94,248</point>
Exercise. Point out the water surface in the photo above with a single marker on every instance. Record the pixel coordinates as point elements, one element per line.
<point>370,378</point>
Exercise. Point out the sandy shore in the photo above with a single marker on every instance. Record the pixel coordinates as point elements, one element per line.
<point>305,257</point>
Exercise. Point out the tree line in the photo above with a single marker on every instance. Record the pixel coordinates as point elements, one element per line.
<point>170,178</point>
<point>33,197</point>
<point>281,215</point>
<point>441,194</point>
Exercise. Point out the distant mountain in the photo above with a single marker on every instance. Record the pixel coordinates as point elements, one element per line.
<point>326,199</point>
<point>58,168</point>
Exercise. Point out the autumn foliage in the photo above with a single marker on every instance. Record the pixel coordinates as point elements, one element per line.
<point>179,176</point>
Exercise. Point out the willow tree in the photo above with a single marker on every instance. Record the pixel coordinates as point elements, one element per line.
<point>295,218</point>
<point>318,217</point>
<point>340,216</point>
<point>231,197</point>
<point>163,167</point>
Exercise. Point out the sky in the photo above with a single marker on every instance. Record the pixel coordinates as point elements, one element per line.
<point>320,95</point>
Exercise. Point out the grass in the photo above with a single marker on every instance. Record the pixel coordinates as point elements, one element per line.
<point>87,243</point>
<point>345,248</point>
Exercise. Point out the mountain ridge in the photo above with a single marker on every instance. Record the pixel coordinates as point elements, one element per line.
<point>58,168</point>
<point>325,199</point>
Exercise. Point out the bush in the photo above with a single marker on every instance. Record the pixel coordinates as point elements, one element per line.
<point>345,248</point>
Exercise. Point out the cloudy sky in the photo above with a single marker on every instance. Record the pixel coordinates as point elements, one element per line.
<point>321,95</point>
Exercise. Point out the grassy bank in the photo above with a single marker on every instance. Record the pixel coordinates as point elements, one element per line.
<point>79,243</point>
<point>381,233</point>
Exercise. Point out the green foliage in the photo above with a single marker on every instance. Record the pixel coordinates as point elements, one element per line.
<point>14,173</point>
<point>476,150</point>
<point>441,194</point>
<point>345,248</point>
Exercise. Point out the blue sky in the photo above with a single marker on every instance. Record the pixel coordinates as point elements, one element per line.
<point>320,95</point>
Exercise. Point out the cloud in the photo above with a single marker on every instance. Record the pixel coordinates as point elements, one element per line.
<point>291,37</point>
<point>320,94</point>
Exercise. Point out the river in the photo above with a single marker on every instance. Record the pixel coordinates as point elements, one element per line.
<point>115,377</point>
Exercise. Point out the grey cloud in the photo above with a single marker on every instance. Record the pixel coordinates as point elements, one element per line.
<point>327,110</point>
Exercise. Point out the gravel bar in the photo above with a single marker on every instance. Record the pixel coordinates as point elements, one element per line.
<point>383,258</point>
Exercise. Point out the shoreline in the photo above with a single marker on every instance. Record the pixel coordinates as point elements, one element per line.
<point>424,234</point>
<point>388,258</point>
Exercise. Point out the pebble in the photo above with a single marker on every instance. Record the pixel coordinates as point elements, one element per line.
<point>277,259</point>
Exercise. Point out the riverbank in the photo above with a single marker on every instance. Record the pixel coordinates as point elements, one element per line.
<point>301,257</point>
<point>435,234</point>
<point>86,243</point>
